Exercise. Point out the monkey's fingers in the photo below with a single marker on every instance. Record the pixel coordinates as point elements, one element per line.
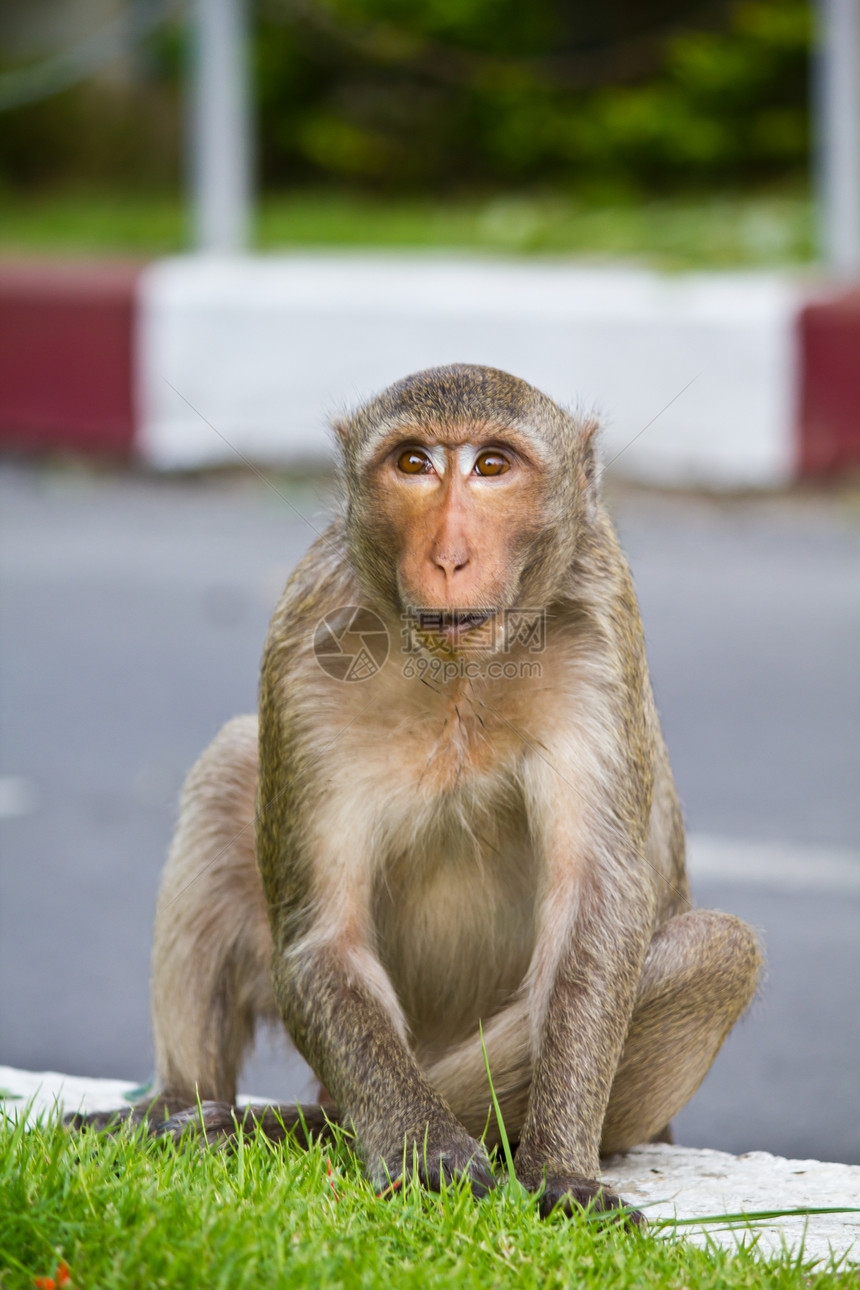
<point>569,1192</point>
<point>439,1166</point>
<point>444,1169</point>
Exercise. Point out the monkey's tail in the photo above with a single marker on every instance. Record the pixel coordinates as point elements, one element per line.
<point>307,1122</point>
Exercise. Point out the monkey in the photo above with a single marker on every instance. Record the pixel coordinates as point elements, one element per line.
<point>469,858</point>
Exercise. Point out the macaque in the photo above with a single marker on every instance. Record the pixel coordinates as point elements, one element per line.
<point>452,828</point>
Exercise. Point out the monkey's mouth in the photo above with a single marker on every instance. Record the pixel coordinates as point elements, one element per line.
<point>452,625</point>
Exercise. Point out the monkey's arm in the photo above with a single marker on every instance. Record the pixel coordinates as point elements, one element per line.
<point>337,1002</point>
<point>597,918</point>
<point>338,1019</point>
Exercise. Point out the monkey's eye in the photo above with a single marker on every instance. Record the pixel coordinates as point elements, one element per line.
<point>413,462</point>
<point>491,463</point>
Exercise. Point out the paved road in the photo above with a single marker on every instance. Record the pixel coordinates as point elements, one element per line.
<point>133,612</point>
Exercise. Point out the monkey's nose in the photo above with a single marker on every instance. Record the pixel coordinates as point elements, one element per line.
<point>450,562</point>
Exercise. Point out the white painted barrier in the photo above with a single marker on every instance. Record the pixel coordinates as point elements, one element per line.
<point>693,377</point>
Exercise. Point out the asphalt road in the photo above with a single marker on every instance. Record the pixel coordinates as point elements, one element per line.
<point>133,612</point>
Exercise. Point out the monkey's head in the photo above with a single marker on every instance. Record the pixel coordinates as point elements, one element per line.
<point>466,491</point>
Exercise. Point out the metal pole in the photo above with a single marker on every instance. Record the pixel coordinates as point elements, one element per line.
<point>220,126</point>
<point>838,131</point>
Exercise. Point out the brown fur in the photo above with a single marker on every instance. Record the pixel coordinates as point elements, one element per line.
<point>438,853</point>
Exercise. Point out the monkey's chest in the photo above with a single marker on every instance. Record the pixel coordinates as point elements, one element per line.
<point>455,925</point>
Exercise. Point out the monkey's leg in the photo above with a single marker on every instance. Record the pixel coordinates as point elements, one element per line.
<point>212,946</point>
<point>700,974</point>
<point>210,959</point>
<point>210,963</point>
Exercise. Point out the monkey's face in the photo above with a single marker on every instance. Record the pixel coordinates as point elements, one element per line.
<point>466,491</point>
<point>454,513</point>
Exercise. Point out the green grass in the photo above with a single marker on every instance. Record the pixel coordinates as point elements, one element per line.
<point>125,1212</point>
<point>743,230</point>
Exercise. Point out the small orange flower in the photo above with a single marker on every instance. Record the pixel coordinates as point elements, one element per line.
<point>61,1277</point>
<point>330,1176</point>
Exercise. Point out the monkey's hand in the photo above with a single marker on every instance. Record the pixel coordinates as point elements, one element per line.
<point>570,1192</point>
<point>446,1152</point>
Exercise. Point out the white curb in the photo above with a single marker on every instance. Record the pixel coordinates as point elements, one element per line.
<point>690,1183</point>
<point>694,377</point>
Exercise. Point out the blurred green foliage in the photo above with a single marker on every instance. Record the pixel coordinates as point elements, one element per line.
<point>442,96</point>
<point>464,93</point>
<point>673,232</point>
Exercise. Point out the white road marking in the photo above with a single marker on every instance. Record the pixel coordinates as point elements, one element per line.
<point>781,866</point>
<point>17,796</point>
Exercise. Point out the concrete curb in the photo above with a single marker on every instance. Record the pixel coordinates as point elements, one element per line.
<point>667,1182</point>
<point>67,358</point>
<point>687,1183</point>
<point>739,379</point>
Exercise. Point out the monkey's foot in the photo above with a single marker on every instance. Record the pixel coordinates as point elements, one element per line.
<point>438,1164</point>
<point>113,1121</point>
<point>215,1120</point>
<point>569,1193</point>
<point>211,1123</point>
<point>218,1123</point>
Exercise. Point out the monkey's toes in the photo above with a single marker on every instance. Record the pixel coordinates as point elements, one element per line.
<point>567,1193</point>
<point>212,1122</point>
<point>104,1121</point>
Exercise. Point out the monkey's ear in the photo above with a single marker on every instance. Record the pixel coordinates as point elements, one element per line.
<point>341,427</point>
<point>588,442</point>
<point>589,467</point>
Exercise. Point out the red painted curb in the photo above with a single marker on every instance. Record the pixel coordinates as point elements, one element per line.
<point>830,386</point>
<point>67,357</point>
